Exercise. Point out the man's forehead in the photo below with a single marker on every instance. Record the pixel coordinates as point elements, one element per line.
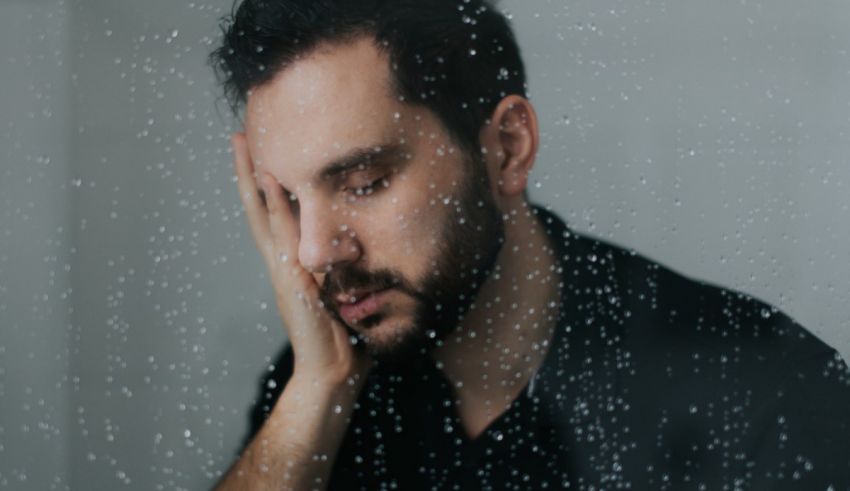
<point>323,105</point>
<point>330,107</point>
<point>331,77</point>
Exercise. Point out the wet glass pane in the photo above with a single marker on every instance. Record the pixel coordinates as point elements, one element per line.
<point>616,258</point>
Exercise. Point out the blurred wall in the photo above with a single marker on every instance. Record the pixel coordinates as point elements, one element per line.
<point>135,311</point>
<point>170,304</point>
<point>35,249</point>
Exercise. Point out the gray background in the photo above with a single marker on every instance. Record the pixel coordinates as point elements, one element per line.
<point>135,313</point>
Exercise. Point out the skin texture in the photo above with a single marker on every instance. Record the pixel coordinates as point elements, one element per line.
<point>426,220</point>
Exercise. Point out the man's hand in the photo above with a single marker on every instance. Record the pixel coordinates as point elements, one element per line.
<point>297,445</point>
<point>320,343</point>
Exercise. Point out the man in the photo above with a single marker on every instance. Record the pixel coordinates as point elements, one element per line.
<point>444,333</point>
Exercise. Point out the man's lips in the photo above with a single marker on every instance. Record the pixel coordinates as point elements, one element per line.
<point>354,308</point>
<point>350,298</point>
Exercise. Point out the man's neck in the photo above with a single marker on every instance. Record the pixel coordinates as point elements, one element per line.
<point>505,335</point>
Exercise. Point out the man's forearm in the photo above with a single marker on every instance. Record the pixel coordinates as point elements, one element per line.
<point>297,445</point>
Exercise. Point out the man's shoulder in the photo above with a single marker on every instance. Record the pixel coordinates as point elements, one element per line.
<point>694,372</point>
<point>656,308</point>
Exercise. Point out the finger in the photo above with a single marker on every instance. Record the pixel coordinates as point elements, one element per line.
<point>282,226</point>
<point>255,210</point>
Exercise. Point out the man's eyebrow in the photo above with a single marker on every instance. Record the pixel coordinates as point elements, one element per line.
<point>360,158</point>
<point>353,160</point>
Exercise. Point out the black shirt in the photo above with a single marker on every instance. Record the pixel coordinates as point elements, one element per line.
<point>652,381</point>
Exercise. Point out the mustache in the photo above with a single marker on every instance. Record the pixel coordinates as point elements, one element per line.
<point>351,279</point>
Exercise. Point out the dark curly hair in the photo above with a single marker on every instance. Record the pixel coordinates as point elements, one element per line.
<point>458,58</point>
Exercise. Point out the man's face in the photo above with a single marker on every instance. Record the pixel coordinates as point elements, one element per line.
<point>384,200</point>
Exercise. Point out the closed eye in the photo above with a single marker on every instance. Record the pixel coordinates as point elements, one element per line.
<point>369,189</point>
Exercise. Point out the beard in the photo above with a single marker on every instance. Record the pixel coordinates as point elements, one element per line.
<point>471,238</point>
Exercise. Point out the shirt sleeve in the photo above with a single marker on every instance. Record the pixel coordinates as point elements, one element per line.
<point>271,386</point>
<point>801,438</point>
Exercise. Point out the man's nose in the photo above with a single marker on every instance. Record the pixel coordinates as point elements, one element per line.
<point>326,240</point>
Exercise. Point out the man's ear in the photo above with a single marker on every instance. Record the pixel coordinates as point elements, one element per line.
<point>510,140</point>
